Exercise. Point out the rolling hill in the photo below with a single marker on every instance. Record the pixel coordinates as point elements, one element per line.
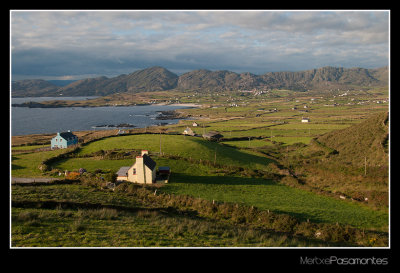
<point>160,79</point>
<point>369,139</point>
<point>27,88</point>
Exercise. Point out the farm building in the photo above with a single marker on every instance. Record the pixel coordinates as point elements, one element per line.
<point>195,124</point>
<point>305,120</point>
<point>164,170</point>
<point>143,171</point>
<point>213,136</point>
<point>188,131</point>
<point>63,140</point>
<point>163,174</point>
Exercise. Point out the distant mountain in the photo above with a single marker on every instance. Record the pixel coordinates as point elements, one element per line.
<point>151,79</point>
<point>321,78</point>
<point>159,79</point>
<point>218,80</point>
<point>146,80</point>
<point>26,88</point>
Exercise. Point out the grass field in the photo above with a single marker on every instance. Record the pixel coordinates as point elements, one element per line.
<point>27,164</point>
<point>183,146</point>
<point>111,228</point>
<point>235,173</point>
<point>206,182</point>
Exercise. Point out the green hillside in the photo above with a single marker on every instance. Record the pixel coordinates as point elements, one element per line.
<point>368,139</point>
<point>351,162</point>
<point>182,146</point>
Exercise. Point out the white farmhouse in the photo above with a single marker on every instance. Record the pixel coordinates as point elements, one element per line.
<point>305,120</point>
<point>188,131</point>
<point>143,171</point>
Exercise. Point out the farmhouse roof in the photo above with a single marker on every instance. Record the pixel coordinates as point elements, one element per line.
<point>67,135</point>
<point>149,162</point>
<point>123,171</point>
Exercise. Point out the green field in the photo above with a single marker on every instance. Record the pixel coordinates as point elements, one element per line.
<point>110,228</point>
<point>241,170</point>
<point>183,146</point>
<point>211,183</point>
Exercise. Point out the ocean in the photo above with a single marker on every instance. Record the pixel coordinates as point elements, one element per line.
<point>25,121</point>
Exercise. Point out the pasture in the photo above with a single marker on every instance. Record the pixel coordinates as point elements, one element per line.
<point>212,183</point>
<point>233,171</point>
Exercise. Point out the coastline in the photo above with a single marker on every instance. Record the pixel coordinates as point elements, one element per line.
<point>70,103</point>
<point>179,104</point>
<point>144,117</point>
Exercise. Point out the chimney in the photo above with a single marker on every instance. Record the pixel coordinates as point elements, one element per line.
<point>145,152</point>
<point>140,171</point>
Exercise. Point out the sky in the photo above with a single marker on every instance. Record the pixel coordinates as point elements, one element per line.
<point>72,44</point>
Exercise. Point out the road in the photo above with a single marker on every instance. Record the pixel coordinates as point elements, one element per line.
<point>27,180</point>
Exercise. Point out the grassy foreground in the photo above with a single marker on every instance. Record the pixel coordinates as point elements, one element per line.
<point>87,215</point>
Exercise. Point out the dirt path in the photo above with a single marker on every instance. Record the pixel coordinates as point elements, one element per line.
<point>28,180</point>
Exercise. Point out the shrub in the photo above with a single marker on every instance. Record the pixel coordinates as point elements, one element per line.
<point>335,233</point>
<point>306,229</point>
<point>44,167</point>
<point>110,177</point>
<point>289,180</point>
<point>225,210</point>
<point>284,223</point>
<point>72,176</point>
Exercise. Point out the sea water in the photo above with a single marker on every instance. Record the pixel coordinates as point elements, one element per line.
<point>26,120</point>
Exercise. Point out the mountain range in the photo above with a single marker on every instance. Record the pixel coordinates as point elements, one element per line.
<point>159,79</point>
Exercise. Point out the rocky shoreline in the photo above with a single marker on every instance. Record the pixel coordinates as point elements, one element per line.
<point>121,125</point>
<point>90,103</point>
<point>167,115</point>
<point>53,104</point>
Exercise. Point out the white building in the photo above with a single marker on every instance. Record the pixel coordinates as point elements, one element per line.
<point>188,131</point>
<point>143,171</point>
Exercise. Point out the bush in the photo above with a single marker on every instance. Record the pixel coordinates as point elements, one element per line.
<point>72,176</point>
<point>44,167</point>
<point>306,229</point>
<point>335,233</point>
<point>290,181</point>
<point>110,177</point>
<point>284,223</point>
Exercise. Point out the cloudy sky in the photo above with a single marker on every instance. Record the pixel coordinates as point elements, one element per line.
<point>81,44</point>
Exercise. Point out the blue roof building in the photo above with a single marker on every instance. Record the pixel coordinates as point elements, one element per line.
<point>63,140</point>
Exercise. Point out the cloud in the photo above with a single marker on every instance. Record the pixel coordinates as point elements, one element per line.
<point>111,42</point>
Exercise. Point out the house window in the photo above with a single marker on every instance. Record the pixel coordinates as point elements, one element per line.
<point>134,171</point>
